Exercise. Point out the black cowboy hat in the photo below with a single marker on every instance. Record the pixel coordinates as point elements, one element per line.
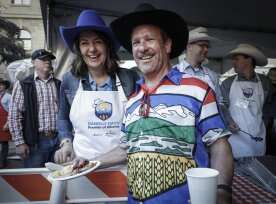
<point>171,23</point>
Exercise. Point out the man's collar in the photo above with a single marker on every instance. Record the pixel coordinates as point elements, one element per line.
<point>241,77</point>
<point>187,65</point>
<point>174,75</point>
<point>51,76</point>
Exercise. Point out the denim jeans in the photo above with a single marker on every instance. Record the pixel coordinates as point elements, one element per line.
<point>41,153</point>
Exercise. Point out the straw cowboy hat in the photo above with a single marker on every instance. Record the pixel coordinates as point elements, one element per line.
<point>250,51</point>
<point>87,20</point>
<point>199,34</point>
<point>171,23</point>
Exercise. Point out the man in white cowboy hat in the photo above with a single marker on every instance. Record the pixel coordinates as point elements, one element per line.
<point>245,95</point>
<point>171,119</point>
<point>196,53</point>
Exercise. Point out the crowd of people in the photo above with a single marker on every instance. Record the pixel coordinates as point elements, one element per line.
<point>172,118</point>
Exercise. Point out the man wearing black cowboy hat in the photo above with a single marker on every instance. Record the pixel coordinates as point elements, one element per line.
<point>171,118</point>
<point>33,112</point>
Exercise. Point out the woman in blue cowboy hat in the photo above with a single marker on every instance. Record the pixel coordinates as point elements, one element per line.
<point>93,92</point>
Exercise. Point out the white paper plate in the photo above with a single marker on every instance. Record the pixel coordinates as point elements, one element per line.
<point>83,171</point>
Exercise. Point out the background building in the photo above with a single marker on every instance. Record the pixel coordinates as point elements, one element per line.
<point>26,14</point>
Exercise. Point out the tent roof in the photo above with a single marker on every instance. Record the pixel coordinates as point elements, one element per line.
<point>249,15</point>
<point>233,22</point>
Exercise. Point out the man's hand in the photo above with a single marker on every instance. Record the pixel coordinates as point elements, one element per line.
<point>65,153</point>
<point>23,150</point>
<point>222,160</point>
<point>233,127</point>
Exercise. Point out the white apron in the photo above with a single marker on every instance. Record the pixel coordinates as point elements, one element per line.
<point>96,117</point>
<point>246,103</point>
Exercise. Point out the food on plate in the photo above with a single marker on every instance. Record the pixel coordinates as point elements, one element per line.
<point>70,170</point>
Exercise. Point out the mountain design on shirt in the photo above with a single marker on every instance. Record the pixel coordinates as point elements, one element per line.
<point>175,114</point>
<point>168,130</point>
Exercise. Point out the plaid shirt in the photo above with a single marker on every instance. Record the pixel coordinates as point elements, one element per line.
<point>47,103</point>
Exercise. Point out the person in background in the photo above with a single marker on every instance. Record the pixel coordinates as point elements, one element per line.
<point>33,112</point>
<point>246,94</point>
<point>5,136</point>
<point>196,54</point>
<point>270,115</point>
<point>93,93</point>
<point>171,119</point>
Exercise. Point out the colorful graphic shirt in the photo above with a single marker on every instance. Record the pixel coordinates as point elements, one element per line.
<point>166,131</point>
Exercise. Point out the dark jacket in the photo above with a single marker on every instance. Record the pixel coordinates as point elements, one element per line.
<point>30,122</point>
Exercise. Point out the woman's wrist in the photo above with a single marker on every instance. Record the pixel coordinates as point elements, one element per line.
<point>65,141</point>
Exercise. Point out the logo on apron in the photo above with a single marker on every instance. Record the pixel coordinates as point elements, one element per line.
<point>247,92</point>
<point>103,109</point>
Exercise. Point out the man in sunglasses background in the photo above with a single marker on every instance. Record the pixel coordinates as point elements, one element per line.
<point>196,54</point>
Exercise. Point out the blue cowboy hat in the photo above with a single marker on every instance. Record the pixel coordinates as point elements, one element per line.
<point>87,20</point>
<point>171,23</point>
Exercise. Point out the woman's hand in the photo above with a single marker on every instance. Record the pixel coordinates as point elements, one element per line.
<point>65,153</point>
<point>233,127</point>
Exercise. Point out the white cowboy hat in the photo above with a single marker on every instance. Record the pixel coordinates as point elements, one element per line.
<point>250,51</point>
<point>199,34</point>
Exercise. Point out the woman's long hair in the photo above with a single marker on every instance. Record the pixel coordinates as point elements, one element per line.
<point>79,67</point>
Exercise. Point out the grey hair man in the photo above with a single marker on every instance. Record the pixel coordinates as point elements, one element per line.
<point>33,112</point>
<point>171,118</point>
